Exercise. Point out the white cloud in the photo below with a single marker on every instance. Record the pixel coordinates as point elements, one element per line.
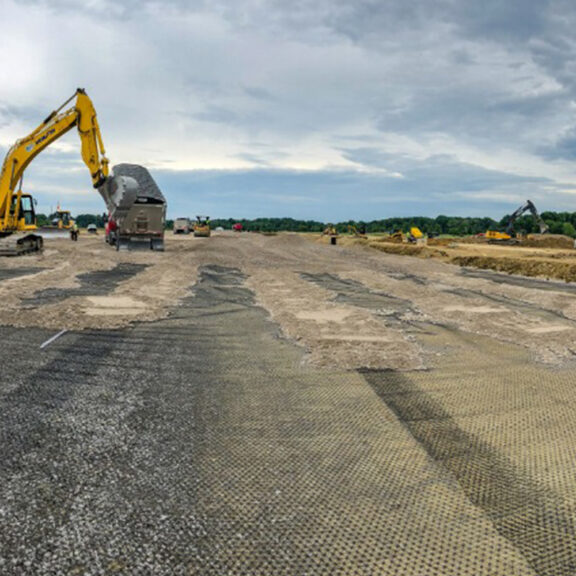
<point>222,85</point>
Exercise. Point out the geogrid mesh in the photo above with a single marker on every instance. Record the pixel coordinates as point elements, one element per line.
<point>507,435</point>
<point>200,445</point>
<point>531,283</point>
<point>9,273</point>
<point>96,283</point>
<point>531,516</point>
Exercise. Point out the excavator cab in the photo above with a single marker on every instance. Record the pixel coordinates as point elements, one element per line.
<point>22,210</point>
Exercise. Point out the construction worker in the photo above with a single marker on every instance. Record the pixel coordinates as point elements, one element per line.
<point>74,232</point>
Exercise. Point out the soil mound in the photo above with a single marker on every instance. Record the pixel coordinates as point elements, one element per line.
<point>548,241</point>
<point>561,270</point>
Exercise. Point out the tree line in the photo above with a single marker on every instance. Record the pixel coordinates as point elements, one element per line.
<point>82,219</point>
<point>558,222</point>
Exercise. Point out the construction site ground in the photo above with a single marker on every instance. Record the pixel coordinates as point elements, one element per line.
<point>275,405</point>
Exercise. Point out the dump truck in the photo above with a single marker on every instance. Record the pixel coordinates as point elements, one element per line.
<point>182,226</point>
<point>137,210</point>
<point>415,235</point>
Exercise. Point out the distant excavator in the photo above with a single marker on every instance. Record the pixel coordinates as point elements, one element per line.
<point>357,231</point>
<point>528,206</point>
<point>330,230</point>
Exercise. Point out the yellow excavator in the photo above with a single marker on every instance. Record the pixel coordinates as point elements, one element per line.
<point>17,215</point>
<point>497,237</point>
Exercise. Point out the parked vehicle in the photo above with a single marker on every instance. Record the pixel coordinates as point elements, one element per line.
<point>182,226</point>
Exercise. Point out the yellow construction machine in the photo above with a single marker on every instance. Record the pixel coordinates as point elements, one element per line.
<point>496,235</point>
<point>17,215</point>
<point>508,236</point>
<point>357,233</point>
<point>63,219</point>
<point>397,236</point>
<point>331,232</point>
<point>202,226</point>
<point>415,234</point>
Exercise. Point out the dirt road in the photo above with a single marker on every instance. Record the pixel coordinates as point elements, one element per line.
<point>348,307</point>
<point>273,405</point>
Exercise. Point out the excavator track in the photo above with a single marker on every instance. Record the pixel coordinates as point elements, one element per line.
<point>20,244</point>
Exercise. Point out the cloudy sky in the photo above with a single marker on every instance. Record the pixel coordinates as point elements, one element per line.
<point>315,109</point>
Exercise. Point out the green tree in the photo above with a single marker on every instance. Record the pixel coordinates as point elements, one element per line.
<point>568,229</point>
<point>42,220</point>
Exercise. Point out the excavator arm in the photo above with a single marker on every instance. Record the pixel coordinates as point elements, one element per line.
<point>527,207</point>
<point>83,116</point>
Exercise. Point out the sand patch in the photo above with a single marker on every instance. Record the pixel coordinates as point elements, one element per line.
<point>548,329</point>
<point>330,315</point>
<point>474,309</point>
<point>114,306</point>
<point>356,338</point>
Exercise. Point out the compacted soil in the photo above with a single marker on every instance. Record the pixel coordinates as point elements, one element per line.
<point>276,405</point>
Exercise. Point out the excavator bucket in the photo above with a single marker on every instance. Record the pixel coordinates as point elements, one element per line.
<point>120,194</point>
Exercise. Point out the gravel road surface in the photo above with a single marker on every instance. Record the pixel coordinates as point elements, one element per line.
<point>253,405</point>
